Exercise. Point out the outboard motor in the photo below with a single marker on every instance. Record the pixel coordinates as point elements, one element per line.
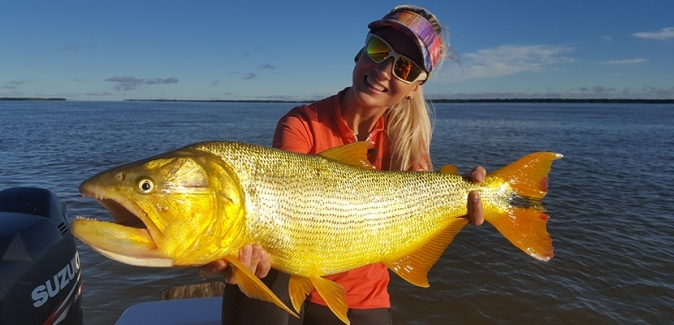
<point>39,265</point>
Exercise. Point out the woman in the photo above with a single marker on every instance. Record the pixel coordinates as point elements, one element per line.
<point>385,106</point>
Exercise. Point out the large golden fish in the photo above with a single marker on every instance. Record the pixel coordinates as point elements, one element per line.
<point>314,214</point>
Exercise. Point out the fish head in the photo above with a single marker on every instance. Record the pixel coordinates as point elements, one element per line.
<point>181,208</point>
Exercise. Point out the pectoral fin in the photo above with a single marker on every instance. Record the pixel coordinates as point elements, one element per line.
<point>298,289</point>
<point>252,286</point>
<point>414,267</point>
<point>334,295</point>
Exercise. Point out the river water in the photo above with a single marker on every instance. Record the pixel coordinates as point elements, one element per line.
<point>609,201</point>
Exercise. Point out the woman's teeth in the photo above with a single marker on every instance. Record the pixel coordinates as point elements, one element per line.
<point>374,85</point>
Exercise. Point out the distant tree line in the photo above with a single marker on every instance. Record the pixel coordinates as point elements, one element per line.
<point>221,100</point>
<point>556,100</point>
<point>485,100</point>
<point>29,98</point>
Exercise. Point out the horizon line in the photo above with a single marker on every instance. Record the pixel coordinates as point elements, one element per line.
<point>433,100</point>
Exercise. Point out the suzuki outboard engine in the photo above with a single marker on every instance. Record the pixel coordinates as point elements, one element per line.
<point>39,265</point>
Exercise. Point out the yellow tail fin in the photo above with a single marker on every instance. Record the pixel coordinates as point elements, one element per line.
<point>524,221</point>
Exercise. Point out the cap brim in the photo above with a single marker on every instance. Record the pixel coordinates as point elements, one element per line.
<point>403,28</point>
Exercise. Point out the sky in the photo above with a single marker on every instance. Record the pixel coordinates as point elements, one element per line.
<point>304,50</point>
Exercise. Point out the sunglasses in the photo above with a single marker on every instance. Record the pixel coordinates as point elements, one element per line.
<point>403,67</point>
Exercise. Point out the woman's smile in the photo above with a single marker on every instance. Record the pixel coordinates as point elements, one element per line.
<point>373,84</point>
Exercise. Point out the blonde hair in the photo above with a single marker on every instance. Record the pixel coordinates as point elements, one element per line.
<point>409,131</point>
<point>408,123</point>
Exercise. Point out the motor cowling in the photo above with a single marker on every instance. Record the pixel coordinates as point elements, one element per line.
<point>40,278</point>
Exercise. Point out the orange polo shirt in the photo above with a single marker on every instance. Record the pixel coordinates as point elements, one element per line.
<point>315,128</point>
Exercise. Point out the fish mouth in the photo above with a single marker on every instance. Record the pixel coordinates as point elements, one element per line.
<point>124,211</point>
<point>121,214</point>
<point>129,239</point>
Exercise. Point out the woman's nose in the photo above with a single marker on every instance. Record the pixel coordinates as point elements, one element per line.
<point>385,67</point>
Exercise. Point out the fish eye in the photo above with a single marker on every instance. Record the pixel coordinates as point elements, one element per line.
<point>145,185</point>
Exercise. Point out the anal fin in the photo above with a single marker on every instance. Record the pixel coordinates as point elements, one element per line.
<point>415,266</point>
<point>334,295</point>
<point>298,289</point>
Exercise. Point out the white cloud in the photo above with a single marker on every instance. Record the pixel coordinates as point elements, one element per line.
<point>663,34</point>
<point>632,61</point>
<point>15,84</point>
<point>509,59</point>
<point>131,83</point>
<point>597,90</point>
<point>100,93</point>
<point>267,66</point>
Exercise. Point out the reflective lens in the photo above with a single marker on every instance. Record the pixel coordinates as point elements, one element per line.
<point>403,67</point>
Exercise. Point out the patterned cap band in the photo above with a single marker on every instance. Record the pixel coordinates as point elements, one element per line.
<point>419,29</point>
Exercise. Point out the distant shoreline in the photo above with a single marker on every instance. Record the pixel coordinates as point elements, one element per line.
<point>29,98</point>
<point>488,100</point>
<point>484,100</point>
<point>557,100</point>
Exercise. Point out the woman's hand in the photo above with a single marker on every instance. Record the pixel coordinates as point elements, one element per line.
<point>475,212</point>
<point>252,256</point>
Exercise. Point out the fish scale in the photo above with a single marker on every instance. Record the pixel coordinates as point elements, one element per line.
<point>353,234</point>
<point>314,215</point>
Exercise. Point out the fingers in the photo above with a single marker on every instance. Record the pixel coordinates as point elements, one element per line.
<point>264,263</point>
<point>211,269</point>
<point>245,256</point>
<point>229,276</point>
<point>253,257</point>
<point>477,174</point>
<point>475,211</point>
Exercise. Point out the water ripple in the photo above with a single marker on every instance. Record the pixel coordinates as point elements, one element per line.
<point>610,203</point>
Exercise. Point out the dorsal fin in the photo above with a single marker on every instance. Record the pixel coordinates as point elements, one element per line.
<point>449,169</point>
<point>352,154</point>
<point>414,267</point>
